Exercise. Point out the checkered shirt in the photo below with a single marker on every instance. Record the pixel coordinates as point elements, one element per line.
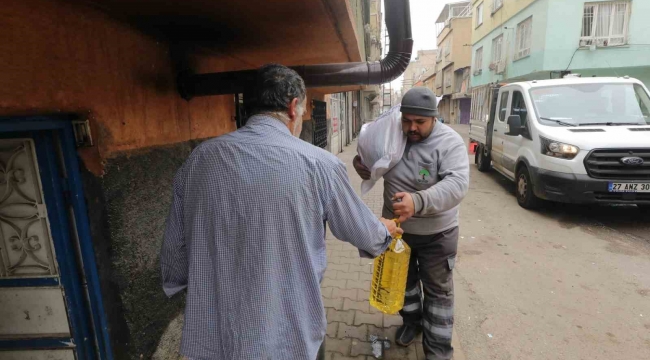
<point>245,238</point>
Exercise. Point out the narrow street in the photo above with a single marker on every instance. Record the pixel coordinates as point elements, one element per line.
<point>564,282</point>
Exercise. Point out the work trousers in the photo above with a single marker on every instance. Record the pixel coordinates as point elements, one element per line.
<point>429,298</point>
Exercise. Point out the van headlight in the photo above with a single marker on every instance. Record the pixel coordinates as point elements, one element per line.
<point>558,150</point>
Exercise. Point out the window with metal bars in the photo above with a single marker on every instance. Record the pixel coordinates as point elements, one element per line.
<point>605,23</point>
<point>497,50</point>
<point>524,35</point>
<point>478,61</point>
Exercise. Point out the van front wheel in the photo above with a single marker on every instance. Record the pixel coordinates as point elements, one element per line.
<point>525,194</point>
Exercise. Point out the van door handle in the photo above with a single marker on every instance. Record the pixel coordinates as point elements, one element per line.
<point>495,130</point>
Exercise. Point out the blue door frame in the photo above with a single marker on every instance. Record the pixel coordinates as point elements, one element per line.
<point>89,326</point>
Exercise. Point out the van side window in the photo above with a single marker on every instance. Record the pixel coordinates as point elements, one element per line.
<point>519,106</point>
<point>503,108</point>
<point>643,100</point>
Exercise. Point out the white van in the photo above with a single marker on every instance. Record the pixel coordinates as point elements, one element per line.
<point>574,140</point>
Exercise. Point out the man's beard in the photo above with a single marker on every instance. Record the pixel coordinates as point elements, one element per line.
<point>418,136</point>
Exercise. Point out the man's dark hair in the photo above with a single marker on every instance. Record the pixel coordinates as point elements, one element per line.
<point>275,86</point>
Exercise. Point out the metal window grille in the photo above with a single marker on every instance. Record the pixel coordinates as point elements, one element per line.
<point>478,60</point>
<point>497,50</point>
<point>605,23</point>
<point>319,114</point>
<point>524,35</point>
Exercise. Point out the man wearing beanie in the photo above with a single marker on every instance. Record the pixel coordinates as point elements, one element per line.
<point>424,191</point>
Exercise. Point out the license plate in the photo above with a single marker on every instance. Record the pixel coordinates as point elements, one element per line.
<point>630,187</point>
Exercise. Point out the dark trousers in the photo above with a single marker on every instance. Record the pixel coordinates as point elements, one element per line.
<point>431,269</point>
<point>321,351</point>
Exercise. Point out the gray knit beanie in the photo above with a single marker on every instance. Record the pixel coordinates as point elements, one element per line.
<point>420,101</point>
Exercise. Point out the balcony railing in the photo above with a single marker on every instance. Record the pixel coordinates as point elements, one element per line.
<point>463,10</point>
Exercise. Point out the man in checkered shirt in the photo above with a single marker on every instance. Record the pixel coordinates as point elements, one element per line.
<point>245,235</point>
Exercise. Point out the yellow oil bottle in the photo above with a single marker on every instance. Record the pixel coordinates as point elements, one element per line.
<point>390,270</point>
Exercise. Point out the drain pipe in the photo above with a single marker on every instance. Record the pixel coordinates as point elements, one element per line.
<point>398,23</point>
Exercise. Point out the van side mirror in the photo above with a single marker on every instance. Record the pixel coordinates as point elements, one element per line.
<point>514,123</point>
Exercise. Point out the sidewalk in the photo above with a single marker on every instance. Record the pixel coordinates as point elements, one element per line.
<point>350,318</point>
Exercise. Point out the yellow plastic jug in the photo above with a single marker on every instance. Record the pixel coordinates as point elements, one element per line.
<point>390,270</point>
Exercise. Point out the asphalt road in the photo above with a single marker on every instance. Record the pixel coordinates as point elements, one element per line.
<point>563,282</point>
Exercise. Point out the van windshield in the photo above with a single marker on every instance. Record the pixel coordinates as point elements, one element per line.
<point>592,104</point>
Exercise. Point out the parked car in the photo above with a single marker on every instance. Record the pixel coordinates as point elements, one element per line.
<point>572,140</point>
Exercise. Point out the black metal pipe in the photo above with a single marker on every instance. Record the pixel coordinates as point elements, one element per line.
<point>398,23</point>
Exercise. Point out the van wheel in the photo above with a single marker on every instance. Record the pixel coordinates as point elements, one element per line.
<point>525,194</point>
<point>483,161</point>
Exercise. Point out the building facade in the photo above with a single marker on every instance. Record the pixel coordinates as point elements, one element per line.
<point>424,62</point>
<point>453,62</point>
<point>369,101</point>
<point>542,39</point>
<point>93,129</point>
<point>348,111</point>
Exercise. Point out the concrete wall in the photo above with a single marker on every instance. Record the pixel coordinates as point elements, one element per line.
<point>515,68</point>
<point>563,35</point>
<point>556,33</point>
<point>376,30</point>
<point>491,20</point>
<point>461,52</point>
<point>444,109</point>
<point>62,56</point>
<point>358,7</point>
<point>425,60</point>
<point>431,83</point>
<point>59,56</point>
<point>445,38</point>
<point>137,187</point>
<point>458,36</point>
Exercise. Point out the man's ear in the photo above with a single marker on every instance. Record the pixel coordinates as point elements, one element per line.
<point>293,109</point>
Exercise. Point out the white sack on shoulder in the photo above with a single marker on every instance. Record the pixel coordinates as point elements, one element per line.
<point>381,145</point>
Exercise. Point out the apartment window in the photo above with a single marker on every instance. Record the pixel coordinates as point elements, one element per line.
<point>605,23</point>
<point>496,5</point>
<point>448,77</point>
<point>478,61</point>
<point>479,15</point>
<point>447,48</point>
<point>524,35</point>
<point>497,50</point>
<point>439,54</point>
